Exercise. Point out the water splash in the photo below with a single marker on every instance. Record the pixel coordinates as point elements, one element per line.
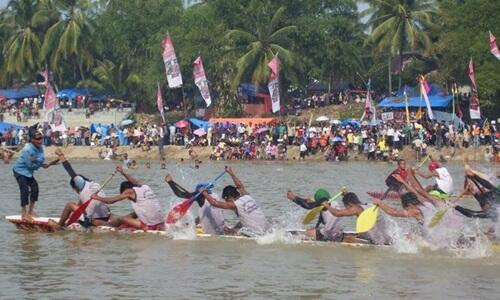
<point>282,236</point>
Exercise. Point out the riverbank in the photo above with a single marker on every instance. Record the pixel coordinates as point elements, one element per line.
<point>177,153</point>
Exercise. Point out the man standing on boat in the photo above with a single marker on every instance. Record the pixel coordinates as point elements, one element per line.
<point>252,218</point>
<point>30,160</point>
<point>444,181</point>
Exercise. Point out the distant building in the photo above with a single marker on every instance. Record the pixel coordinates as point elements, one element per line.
<point>188,3</point>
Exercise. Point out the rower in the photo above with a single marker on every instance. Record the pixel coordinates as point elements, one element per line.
<point>486,194</point>
<point>211,218</point>
<point>353,207</point>
<point>444,181</point>
<point>392,184</point>
<point>96,213</point>
<point>30,160</point>
<point>147,213</point>
<point>236,198</point>
<point>329,227</point>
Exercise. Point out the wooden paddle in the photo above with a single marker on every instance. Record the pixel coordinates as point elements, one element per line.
<point>314,212</point>
<point>368,218</point>
<point>179,210</point>
<point>81,209</point>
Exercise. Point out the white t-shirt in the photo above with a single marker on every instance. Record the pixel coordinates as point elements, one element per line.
<point>146,206</point>
<point>211,218</point>
<point>251,215</point>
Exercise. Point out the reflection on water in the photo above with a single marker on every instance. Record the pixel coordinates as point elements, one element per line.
<point>130,266</point>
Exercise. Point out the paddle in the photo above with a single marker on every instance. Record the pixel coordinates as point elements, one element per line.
<point>368,217</point>
<point>314,212</point>
<point>81,209</point>
<point>179,210</point>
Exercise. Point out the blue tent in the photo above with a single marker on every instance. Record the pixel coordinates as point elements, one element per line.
<point>200,123</point>
<point>72,93</point>
<point>4,125</point>
<point>253,90</point>
<point>19,93</point>
<point>436,98</point>
<point>104,131</point>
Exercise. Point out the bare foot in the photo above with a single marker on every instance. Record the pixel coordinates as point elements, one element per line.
<point>27,217</point>
<point>54,225</point>
<point>34,214</point>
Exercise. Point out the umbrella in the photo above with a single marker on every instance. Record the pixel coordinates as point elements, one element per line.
<point>335,121</point>
<point>322,119</point>
<point>262,129</point>
<point>127,122</point>
<point>182,124</point>
<point>200,132</point>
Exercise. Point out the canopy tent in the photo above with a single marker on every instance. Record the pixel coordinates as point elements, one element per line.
<point>350,122</point>
<point>246,121</point>
<point>197,123</point>
<point>5,126</point>
<point>20,93</point>
<point>437,98</point>
<point>104,131</point>
<point>254,90</point>
<point>71,94</point>
<point>448,118</point>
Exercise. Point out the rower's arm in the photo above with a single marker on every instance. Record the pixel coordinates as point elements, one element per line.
<point>178,190</point>
<point>129,177</point>
<point>424,175</point>
<point>237,182</point>
<point>303,202</point>
<point>347,212</point>
<point>128,194</point>
<point>218,204</point>
<point>391,211</point>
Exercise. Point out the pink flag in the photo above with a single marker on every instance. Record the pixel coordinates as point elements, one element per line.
<point>424,90</point>
<point>475,111</point>
<point>200,79</point>
<point>172,67</point>
<point>274,83</point>
<point>159,102</point>
<point>493,46</point>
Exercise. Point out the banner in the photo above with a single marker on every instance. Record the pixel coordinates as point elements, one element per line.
<point>274,83</point>
<point>475,111</point>
<point>172,67</point>
<point>159,102</point>
<point>424,89</point>
<point>370,111</point>
<point>200,79</point>
<point>387,116</point>
<point>493,46</point>
<point>50,102</point>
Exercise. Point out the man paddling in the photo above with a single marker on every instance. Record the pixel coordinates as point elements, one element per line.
<point>444,181</point>
<point>392,183</point>
<point>329,227</point>
<point>211,218</point>
<point>97,213</point>
<point>236,198</point>
<point>147,213</point>
<point>486,194</point>
<point>31,159</point>
<point>353,207</point>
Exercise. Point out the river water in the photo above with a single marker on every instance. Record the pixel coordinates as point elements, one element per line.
<point>71,265</point>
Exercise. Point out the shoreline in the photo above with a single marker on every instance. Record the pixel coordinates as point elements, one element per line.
<point>178,153</point>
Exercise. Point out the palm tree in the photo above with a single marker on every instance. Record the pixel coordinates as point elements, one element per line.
<point>113,78</point>
<point>26,20</point>
<point>400,25</point>
<point>260,44</point>
<point>68,39</point>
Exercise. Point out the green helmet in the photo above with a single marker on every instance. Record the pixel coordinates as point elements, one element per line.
<point>321,195</point>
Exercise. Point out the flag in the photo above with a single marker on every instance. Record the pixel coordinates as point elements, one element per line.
<point>424,89</point>
<point>50,102</point>
<point>159,102</point>
<point>370,111</point>
<point>493,46</point>
<point>274,83</point>
<point>172,67</point>
<point>407,110</point>
<point>474,110</point>
<point>200,79</point>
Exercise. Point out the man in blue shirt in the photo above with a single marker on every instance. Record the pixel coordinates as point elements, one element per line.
<point>30,160</point>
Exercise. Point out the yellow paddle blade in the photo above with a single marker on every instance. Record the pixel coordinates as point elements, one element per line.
<point>312,214</point>
<point>437,217</point>
<point>367,219</point>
